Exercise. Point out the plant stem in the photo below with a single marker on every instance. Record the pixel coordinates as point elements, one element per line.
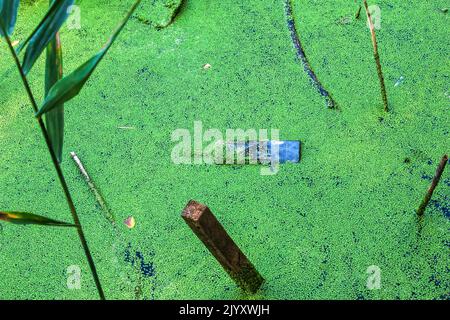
<point>59,172</point>
<point>433,185</point>
<point>98,196</point>
<point>358,12</point>
<point>377,57</point>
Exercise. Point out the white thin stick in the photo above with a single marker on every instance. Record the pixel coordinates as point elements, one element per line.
<point>93,188</point>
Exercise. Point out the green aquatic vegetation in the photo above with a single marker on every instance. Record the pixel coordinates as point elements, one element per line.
<point>57,90</point>
<point>314,228</point>
<point>160,13</point>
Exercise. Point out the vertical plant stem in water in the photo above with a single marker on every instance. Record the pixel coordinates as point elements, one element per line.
<point>433,185</point>
<point>59,172</point>
<point>358,12</point>
<point>377,57</point>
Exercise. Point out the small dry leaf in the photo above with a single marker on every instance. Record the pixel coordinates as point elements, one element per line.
<point>15,43</point>
<point>130,222</point>
<point>206,66</point>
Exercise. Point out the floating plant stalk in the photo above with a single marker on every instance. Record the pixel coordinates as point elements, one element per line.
<point>119,242</point>
<point>302,56</point>
<point>434,183</point>
<point>377,57</point>
<point>98,196</point>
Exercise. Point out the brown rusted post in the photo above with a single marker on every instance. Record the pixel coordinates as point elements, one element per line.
<point>433,185</point>
<point>205,225</point>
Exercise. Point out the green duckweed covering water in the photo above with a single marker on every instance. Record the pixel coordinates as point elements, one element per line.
<point>313,229</point>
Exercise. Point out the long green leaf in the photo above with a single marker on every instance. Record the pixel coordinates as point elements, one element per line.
<point>8,15</point>
<point>51,11</point>
<point>70,86</point>
<point>45,32</point>
<point>29,218</point>
<point>54,119</point>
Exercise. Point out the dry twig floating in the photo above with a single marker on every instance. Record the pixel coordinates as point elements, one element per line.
<point>98,196</point>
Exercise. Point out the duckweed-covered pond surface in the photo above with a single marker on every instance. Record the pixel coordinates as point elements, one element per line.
<point>313,229</point>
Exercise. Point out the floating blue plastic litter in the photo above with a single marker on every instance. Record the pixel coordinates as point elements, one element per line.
<point>273,151</point>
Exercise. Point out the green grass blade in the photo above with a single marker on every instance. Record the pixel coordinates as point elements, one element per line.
<point>70,86</point>
<point>8,15</point>
<point>54,119</point>
<point>45,32</point>
<point>25,218</point>
<point>50,12</point>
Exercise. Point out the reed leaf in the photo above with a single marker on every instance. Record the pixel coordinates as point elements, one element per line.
<point>8,15</point>
<point>54,119</point>
<point>25,218</point>
<point>44,33</point>
<point>70,86</point>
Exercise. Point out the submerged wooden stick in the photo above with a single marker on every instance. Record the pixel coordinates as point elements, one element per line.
<point>377,57</point>
<point>93,188</point>
<point>302,56</point>
<point>205,225</point>
<point>433,185</point>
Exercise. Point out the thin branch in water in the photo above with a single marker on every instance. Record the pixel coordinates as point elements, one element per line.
<point>98,196</point>
<point>434,183</point>
<point>377,57</point>
<point>358,12</point>
<point>302,56</point>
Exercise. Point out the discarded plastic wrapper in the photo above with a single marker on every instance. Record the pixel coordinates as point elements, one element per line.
<point>264,152</point>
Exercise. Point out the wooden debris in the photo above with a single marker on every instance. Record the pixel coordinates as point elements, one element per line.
<point>209,230</point>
